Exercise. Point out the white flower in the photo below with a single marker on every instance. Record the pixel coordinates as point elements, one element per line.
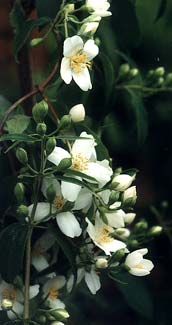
<point>16,297</point>
<point>123,233</point>
<point>101,233</point>
<point>39,257</point>
<point>116,218</point>
<point>101,263</point>
<point>51,291</point>
<point>130,195</point>
<point>89,28</point>
<point>122,182</point>
<point>84,160</point>
<point>99,7</point>
<point>137,264</point>
<point>129,218</point>
<point>77,113</point>
<point>91,278</point>
<point>76,61</point>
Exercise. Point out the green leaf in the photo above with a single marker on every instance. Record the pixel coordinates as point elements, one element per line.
<point>18,124</point>
<point>12,247</point>
<point>23,27</point>
<point>135,293</point>
<point>161,9</point>
<point>74,181</point>
<point>138,114</point>
<point>79,174</point>
<point>17,137</point>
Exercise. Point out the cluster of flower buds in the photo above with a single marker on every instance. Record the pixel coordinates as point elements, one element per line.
<point>159,78</point>
<point>126,72</point>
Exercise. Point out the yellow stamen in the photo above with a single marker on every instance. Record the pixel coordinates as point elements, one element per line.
<point>58,202</point>
<point>9,294</point>
<point>104,235</point>
<point>79,162</point>
<point>53,294</point>
<point>78,62</point>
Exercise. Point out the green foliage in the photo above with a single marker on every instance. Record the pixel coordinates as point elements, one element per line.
<point>161,10</point>
<point>18,124</point>
<point>12,247</point>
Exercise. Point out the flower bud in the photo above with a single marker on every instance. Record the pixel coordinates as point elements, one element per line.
<point>22,156</point>
<point>122,182</point>
<point>57,323</point>
<point>22,211</point>
<point>168,80</point>
<point>118,255</point>
<point>36,41</point>
<point>159,82</point>
<point>19,192</point>
<point>77,113</point>
<point>124,70</point>
<point>133,73</point>
<point>129,196</point>
<point>50,145</point>
<point>155,231</point>
<point>51,193</point>
<point>40,111</point>
<point>64,122</point>
<point>141,225</point>
<point>89,28</point>
<point>134,243</point>
<point>41,319</point>
<point>101,263</point>
<point>41,128</point>
<point>6,304</point>
<point>123,232</point>
<point>59,314</point>
<point>129,218</point>
<point>114,196</point>
<point>70,7</point>
<point>159,72</point>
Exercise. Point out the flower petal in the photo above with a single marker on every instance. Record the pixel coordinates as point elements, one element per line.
<point>48,181</point>
<point>91,49</point>
<point>138,272</point>
<point>55,304</point>
<point>72,45</point>
<point>42,211</point>
<point>147,264</point>
<point>18,309</point>
<point>70,191</point>
<point>33,291</point>
<point>82,79</point>
<point>84,147</point>
<point>68,224</point>
<point>39,262</point>
<point>116,218</point>
<point>93,281</point>
<point>65,71</point>
<point>83,200</point>
<point>133,259</point>
<point>101,173</point>
<point>57,155</point>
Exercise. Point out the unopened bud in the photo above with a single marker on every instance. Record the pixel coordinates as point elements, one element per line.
<point>89,28</point>
<point>51,193</point>
<point>6,304</point>
<point>19,192</point>
<point>22,211</point>
<point>129,196</point>
<point>118,255</point>
<point>59,314</point>
<point>159,82</point>
<point>21,155</point>
<point>36,41</point>
<point>77,113</point>
<point>114,196</point>
<point>70,7</point>
<point>134,243</point>
<point>64,122</point>
<point>40,111</point>
<point>129,218</point>
<point>133,73</point>
<point>41,319</point>
<point>41,128</point>
<point>159,72</point>
<point>155,231</point>
<point>57,323</point>
<point>101,263</point>
<point>124,70</point>
<point>50,145</point>
<point>168,80</point>
<point>122,182</point>
<point>141,225</point>
<point>123,232</point>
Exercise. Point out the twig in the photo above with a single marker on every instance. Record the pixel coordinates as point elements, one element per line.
<point>31,93</point>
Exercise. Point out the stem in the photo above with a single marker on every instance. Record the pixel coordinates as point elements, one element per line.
<point>27,277</point>
<point>150,90</point>
<point>65,25</point>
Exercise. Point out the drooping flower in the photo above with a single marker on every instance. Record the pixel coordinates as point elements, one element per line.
<point>84,160</point>
<point>51,292</point>
<point>91,278</point>
<point>130,195</point>
<point>16,297</point>
<point>138,265</point>
<point>101,234</point>
<point>76,61</point>
<point>99,7</point>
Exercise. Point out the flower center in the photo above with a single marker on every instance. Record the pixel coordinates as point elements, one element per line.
<point>79,162</point>
<point>58,202</point>
<point>140,267</point>
<point>53,294</point>
<point>103,236</point>
<point>78,62</point>
<point>9,294</point>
